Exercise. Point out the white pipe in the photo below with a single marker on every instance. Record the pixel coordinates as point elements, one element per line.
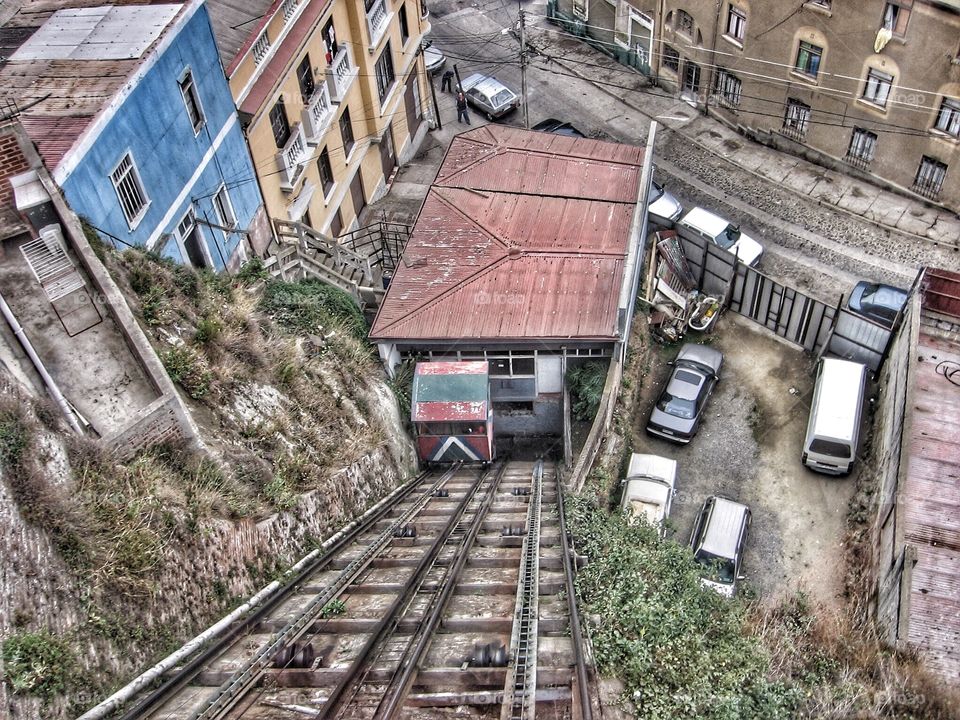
<point>120,698</point>
<point>38,364</point>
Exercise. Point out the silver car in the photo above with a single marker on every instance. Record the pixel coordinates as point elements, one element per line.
<point>663,207</point>
<point>489,95</point>
<point>677,412</point>
<point>718,541</point>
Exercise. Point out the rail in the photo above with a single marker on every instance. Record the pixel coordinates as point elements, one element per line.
<point>230,691</point>
<point>520,690</point>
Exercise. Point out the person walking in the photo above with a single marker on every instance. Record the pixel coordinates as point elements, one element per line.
<point>447,81</point>
<point>462,108</point>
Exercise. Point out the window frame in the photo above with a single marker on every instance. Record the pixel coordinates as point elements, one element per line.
<point>880,78</point>
<point>808,48</point>
<point>306,79</point>
<point>191,97</point>
<point>671,54</point>
<point>324,168</point>
<point>348,139</point>
<point>939,173</point>
<point>685,24</point>
<point>223,204</point>
<point>279,112</point>
<point>133,174</point>
<point>404,25</point>
<point>385,73</point>
<point>741,26</point>
<point>797,123</point>
<point>952,115</point>
<point>726,78</point>
<point>900,17</point>
<point>855,148</point>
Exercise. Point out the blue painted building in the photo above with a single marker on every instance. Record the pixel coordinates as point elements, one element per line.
<point>130,109</point>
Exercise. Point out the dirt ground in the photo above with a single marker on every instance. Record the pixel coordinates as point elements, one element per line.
<point>748,448</point>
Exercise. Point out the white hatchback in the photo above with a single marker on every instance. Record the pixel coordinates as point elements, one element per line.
<point>723,234</point>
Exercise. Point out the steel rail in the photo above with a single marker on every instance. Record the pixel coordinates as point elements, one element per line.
<point>241,681</point>
<point>409,665</point>
<point>586,709</point>
<point>344,537</point>
<point>392,617</point>
<point>520,688</point>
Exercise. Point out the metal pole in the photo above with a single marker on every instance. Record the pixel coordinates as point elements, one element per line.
<point>436,107</point>
<point>523,70</point>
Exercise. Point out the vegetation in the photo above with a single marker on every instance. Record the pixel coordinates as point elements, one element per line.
<point>312,306</point>
<point>39,664</point>
<point>586,388</point>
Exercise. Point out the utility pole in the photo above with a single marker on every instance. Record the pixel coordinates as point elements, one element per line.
<point>523,68</point>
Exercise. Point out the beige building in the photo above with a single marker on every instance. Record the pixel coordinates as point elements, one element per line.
<point>871,87</point>
<point>332,95</point>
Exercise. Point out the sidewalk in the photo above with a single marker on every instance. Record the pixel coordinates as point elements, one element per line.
<point>847,194</point>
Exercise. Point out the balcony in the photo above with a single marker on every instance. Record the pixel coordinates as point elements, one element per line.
<point>377,20</point>
<point>318,114</point>
<point>290,160</point>
<point>340,74</point>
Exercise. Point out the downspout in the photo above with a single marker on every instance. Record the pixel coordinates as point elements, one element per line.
<point>38,364</point>
<point>713,61</point>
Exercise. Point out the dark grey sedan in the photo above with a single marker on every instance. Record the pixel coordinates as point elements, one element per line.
<point>677,412</point>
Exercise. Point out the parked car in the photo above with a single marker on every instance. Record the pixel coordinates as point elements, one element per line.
<point>877,302</point>
<point>558,127</point>
<point>489,95</point>
<point>663,206</point>
<point>433,59</point>
<point>648,489</point>
<point>677,412</point>
<point>718,541</point>
<point>723,234</point>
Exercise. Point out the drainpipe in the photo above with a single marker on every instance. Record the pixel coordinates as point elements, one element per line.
<point>713,61</point>
<point>38,364</point>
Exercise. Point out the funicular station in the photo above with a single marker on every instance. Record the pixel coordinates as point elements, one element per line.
<point>523,261</point>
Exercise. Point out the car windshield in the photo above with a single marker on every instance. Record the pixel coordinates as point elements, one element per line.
<point>728,237</point>
<point>501,98</point>
<point>678,407</point>
<point>656,192</point>
<point>720,569</point>
<point>830,448</point>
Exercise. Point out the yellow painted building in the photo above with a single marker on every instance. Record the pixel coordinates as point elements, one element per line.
<point>332,95</point>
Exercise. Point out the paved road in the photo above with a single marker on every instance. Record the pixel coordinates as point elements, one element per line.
<point>814,248</point>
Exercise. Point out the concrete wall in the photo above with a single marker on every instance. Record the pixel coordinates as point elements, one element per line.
<point>178,167</point>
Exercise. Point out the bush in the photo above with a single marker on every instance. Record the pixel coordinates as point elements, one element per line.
<point>13,439</point>
<point>187,368</point>
<point>251,271</point>
<point>312,306</point>
<point>586,386</point>
<point>37,664</point>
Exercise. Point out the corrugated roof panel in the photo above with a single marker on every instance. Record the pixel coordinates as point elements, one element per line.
<point>931,507</point>
<point>514,241</point>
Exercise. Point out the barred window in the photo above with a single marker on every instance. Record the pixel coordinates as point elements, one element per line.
<point>685,22</point>
<point>948,119</point>
<point>671,59</point>
<point>796,118</point>
<point>930,176</point>
<point>130,192</point>
<point>728,87</point>
<point>863,144</point>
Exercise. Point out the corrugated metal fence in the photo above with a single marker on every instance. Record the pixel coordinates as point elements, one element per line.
<point>805,321</point>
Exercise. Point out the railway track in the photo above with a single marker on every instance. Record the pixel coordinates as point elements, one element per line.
<point>454,600</point>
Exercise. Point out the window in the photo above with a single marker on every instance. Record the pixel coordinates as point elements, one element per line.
<point>384,71</point>
<point>513,366</point>
<point>192,101</point>
<point>330,40</point>
<point>948,119</point>
<point>280,124</point>
<point>305,78</point>
<point>132,196</point>
<point>224,208</point>
<point>261,48</point>
<point>863,144</point>
<point>736,23</point>
<point>930,177</point>
<point>808,59</point>
<point>671,59</point>
<point>346,132</point>
<point>326,172</point>
<point>895,17</point>
<point>404,27</point>
<point>796,118</point>
<point>877,88</point>
<point>685,22</point>
<point>727,87</point>
<point>336,224</point>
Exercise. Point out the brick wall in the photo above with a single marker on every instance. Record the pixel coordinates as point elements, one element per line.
<point>156,423</point>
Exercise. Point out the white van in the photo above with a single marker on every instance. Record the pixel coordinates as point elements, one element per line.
<point>722,234</point>
<point>834,426</point>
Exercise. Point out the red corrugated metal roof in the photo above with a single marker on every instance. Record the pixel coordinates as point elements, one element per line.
<point>468,411</point>
<point>931,498</point>
<point>54,136</point>
<point>522,236</point>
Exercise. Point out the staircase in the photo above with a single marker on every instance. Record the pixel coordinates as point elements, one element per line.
<point>360,262</point>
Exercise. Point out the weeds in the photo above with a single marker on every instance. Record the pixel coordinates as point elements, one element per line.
<point>187,368</point>
<point>586,386</point>
<point>38,664</point>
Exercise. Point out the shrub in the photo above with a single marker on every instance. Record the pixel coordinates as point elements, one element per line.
<point>251,271</point>
<point>311,306</point>
<point>37,664</point>
<point>188,369</point>
<point>208,330</point>
<point>586,385</point>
